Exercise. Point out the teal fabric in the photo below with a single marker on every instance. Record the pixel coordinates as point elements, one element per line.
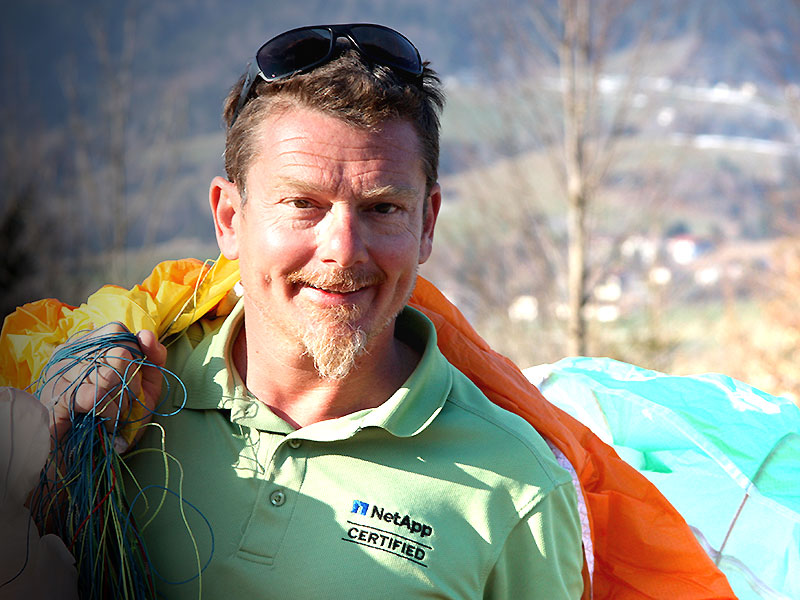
<point>726,454</point>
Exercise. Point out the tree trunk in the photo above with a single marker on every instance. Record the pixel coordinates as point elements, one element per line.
<point>576,274</point>
<point>574,59</point>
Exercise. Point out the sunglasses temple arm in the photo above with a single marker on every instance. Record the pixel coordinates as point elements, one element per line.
<point>253,71</point>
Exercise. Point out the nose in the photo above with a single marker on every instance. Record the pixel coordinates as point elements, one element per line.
<point>341,240</point>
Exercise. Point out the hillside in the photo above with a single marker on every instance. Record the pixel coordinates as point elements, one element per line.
<point>111,132</point>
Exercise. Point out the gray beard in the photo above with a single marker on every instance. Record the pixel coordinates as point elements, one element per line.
<point>329,337</point>
<point>334,343</point>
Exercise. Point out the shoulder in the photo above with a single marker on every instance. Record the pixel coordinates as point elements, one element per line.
<point>199,337</point>
<point>502,447</point>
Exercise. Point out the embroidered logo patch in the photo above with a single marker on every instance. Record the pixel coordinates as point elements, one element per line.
<point>389,531</point>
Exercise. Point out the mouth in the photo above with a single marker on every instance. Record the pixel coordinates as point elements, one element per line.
<point>337,283</point>
<point>333,296</point>
<point>341,290</point>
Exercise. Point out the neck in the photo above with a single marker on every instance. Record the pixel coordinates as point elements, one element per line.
<point>286,381</point>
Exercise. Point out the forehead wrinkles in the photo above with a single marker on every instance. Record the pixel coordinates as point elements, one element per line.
<point>338,163</point>
<point>371,148</point>
<point>335,150</point>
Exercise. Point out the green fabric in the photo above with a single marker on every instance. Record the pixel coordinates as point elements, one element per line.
<point>724,453</point>
<point>435,493</point>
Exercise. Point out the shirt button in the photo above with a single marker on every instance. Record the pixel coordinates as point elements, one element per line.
<point>277,498</point>
<point>295,443</point>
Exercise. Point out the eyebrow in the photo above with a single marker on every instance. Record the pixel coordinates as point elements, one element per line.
<point>391,191</point>
<point>400,192</point>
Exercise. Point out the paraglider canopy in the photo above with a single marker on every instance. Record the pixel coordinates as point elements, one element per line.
<point>726,455</point>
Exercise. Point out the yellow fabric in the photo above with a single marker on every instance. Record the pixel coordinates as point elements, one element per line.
<point>175,295</point>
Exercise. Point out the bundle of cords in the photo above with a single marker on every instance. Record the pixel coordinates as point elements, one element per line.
<point>81,496</point>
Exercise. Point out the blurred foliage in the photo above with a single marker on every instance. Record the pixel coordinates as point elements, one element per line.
<point>134,130</point>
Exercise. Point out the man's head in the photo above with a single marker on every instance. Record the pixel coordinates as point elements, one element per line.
<point>351,82</point>
<point>339,168</point>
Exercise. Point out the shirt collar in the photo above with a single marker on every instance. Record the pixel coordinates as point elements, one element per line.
<point>212,382</point>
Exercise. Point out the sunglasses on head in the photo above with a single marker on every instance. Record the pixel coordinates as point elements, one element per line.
<point>305,48</point>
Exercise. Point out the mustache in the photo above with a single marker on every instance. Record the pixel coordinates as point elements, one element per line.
<point>337,280</point>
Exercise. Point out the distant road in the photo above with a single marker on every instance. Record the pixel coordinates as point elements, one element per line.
<point>735,143</point>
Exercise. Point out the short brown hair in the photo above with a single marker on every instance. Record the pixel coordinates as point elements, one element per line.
<point>348,88</point>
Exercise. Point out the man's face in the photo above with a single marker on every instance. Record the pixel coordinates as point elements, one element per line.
<point>331,233</point>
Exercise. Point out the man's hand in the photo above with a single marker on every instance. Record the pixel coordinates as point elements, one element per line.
<point>77,386</point>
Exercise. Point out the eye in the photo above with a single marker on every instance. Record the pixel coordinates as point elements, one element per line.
<point>385,208</point>
<point>299,203</point>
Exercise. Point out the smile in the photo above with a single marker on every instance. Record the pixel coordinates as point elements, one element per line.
<point>337,283</point>
<point>336,295</point>
<point>336,290</point>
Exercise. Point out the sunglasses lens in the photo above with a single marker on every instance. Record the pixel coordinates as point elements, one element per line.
<point>293,51</point>
<point>387,47</point>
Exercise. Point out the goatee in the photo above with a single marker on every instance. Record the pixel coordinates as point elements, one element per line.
<point>335,343</point>
<point>330,336</point>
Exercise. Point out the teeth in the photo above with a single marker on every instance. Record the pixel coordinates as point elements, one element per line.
<point>334,290</point>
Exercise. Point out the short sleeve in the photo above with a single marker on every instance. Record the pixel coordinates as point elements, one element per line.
<point>542,557</point>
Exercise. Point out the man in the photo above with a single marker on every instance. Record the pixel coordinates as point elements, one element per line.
<point>324,447</point>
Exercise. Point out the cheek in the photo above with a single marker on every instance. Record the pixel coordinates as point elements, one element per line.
<point>266,242</point>
<point>400,257</point>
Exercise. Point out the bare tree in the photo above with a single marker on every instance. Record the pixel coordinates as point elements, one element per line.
<point>80,197</point>
<point>564,76</point>
<point>124,159</point>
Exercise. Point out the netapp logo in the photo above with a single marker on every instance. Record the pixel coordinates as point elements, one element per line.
<point>361,508</point>
<point>377,538</point>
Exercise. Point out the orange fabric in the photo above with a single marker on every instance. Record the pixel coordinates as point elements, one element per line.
<point>28,338</point>
<point>642,546</point>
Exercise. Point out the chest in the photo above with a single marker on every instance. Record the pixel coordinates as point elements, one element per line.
<point>268,515</point>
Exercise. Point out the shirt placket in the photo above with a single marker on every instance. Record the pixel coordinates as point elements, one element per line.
<point>284,471</point>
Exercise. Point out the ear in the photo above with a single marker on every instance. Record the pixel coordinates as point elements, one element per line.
<point>226,207</point>
<point>434,202</point>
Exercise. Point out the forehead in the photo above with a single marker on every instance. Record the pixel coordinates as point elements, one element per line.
<point>308,144</point>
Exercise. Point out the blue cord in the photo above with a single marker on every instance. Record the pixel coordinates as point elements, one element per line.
<point>85,504</point>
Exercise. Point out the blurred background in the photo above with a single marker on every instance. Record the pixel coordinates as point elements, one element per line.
<point>620,177</point>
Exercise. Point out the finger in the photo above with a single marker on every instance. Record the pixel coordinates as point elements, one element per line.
<point>142,377</point>
<point>115,366</point>
<point>96,368</point>
<point>66,390</point>
<point>152,376</point>
<point>119,379</point>
<point>123,402</point>
<point>77,355</point>
<point>154,350</point>
<point>63,375</point>
<point>89,398</point>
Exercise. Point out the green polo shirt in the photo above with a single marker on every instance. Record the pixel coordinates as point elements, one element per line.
<point>437,493</point>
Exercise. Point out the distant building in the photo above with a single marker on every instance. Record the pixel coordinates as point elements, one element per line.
<point>684,249</point>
